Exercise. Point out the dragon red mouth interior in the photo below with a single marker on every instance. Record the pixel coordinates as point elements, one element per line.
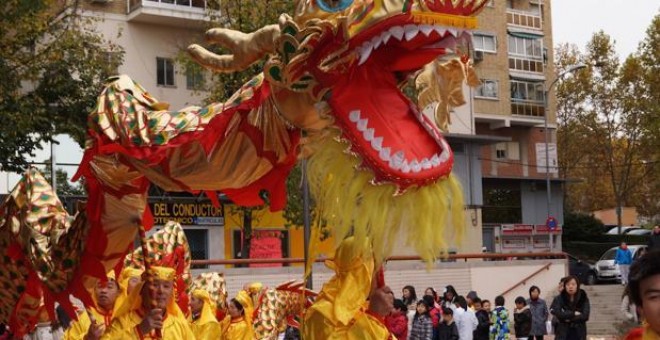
<point>398,143</point>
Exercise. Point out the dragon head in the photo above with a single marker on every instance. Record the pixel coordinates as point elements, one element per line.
<point>342,63</point>
<point>355,59</point>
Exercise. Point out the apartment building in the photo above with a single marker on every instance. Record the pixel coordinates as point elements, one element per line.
<point>513,54</point>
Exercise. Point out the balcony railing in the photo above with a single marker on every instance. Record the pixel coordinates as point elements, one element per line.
<point>526,64</point>
<point>527,108</point>
<point>524,19</point>
<point>195,6</point>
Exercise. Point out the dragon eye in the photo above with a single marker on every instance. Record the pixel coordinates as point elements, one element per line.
<point>333,6</point>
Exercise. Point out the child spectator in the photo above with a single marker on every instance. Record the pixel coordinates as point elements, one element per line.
<point>466,321</point>
<point>522,317</point>
<point>397,321</point>
<point>447,329</point>
<point>485,305</point>
<point>499,330</point>
<point>422,327</point>
<point>483,321</point>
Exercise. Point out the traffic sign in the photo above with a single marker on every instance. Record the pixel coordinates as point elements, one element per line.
<point>551,223</point>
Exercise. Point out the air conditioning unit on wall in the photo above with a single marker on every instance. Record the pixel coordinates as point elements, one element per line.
<point>478,56</point>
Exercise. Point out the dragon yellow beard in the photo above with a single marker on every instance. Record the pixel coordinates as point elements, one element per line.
<point>383,213</point>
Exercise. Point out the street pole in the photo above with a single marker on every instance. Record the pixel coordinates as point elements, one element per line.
<point>53,163</point>
<point>307,228</point>
<point>546,93</point>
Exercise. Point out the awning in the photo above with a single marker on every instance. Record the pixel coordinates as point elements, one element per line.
<point>525,35</point>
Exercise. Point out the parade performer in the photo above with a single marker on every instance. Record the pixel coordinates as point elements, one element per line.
<point>203,323</point>
<point>92,323</point>
<point>238,324</point>
<point>341,310</point>
<point>129,278</point>
<point>644,286</point>
<point>214,284</point>
<point>153,310</point>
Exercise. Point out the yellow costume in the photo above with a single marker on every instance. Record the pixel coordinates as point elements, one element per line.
<point>240,328</point>
<point>340,310</point>
<point>205,326</point>
<point>79,329</point>
<point>175,325</point>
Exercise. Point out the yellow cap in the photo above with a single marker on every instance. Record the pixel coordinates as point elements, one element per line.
<point>162,273</point>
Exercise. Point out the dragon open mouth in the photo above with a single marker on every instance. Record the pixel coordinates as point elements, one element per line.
<point>398,143</point>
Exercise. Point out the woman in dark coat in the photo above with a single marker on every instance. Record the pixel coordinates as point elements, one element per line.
<point>572,311</point>
<point>539,313</point>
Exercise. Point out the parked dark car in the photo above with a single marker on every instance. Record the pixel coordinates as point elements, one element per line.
<point>585,272</point>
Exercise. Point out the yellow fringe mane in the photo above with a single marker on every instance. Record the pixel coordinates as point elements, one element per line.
<point>352,205</point>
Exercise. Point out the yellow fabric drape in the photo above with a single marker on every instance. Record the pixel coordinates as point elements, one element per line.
<point>79,329</point>
<point>206,326</point>
<point>649,334</point>
<point>339,310</point>
<point>125,328</point>
<point>175,325</point>
<point>237,329</point>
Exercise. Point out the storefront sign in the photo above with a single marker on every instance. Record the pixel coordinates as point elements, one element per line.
<point>514,243</point>
<point>187,213</point>
<point>543,229</point>
<point>266,244</point>
<point>517,229</point>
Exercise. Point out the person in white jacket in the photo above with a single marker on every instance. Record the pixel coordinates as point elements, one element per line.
<point>466,320</point>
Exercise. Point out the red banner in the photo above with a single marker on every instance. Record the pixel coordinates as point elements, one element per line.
<point>266,244</point>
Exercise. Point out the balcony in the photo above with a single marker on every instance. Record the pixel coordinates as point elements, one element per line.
<point>525,20</point>
<point>526,108</point>
<point>524,64</point>
<point>175,13</point>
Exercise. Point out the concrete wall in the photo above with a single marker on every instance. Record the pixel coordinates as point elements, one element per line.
<point>142,44</point>
<point>488,279</point>
<point>534,202</point>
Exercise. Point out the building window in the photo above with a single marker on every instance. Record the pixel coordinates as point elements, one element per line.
<point>278,239</point>
<point>488,89</point>
<point>500,151</point>
<point>484,43</point>
<point>527,91</point>
<point>531,48</point>
<point>502,202</point>
<point>165,72</point>
<point>198,240</point>
<point>194,77</point>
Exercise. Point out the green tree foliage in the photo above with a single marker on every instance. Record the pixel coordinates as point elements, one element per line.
<point>64,187</point>
<point>606,133</point>
<point>53,64</point>
<point>581,227</point>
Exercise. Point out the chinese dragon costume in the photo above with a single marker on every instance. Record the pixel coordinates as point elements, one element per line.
<point>332,91</point>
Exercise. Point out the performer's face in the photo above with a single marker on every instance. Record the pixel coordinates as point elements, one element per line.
<point>196,305</point>
<point>234,309</point>
<point>132,283</point>
<point>106,294</point>
<point>159,291</point>
<point>649,289</point>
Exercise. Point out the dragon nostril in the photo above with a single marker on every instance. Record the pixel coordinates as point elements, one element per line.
<point>333,6</point>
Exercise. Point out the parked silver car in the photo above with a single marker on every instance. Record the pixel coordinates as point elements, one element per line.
<point>606,270</point>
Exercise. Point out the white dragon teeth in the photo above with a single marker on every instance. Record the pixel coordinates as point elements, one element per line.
<point>397,160</point>
<point>362,124</point>
<point>435,160</point>
<point>410,31</point>
<point>426,164</point>
<point>415,166</point>
<point>397,32</point>
<point>384,154</point>
<point>365,52</point>
<point>405,167</point>
<point>426,29</point>
<point>354,116</point>
<point>369,134</point>
<point>385,37</point>
<point>377,143</point>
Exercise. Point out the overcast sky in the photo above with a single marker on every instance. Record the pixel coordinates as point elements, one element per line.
<point>574,21</point>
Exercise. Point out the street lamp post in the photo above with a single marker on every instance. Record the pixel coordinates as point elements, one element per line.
<point>546,92</point>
